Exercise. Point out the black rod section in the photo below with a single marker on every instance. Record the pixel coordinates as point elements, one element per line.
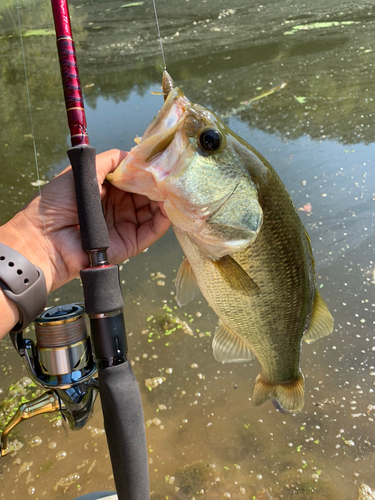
<point>124,426</point>
<point>94,233</point>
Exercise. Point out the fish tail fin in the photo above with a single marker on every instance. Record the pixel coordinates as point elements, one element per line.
<point>291,396</point>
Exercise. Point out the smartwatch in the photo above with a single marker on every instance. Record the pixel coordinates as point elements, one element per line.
<point>24,284</point>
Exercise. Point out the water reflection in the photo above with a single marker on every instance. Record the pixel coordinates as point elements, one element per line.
<point>203,432</point>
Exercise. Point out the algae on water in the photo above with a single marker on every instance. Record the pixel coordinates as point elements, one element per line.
<point>314,26</point>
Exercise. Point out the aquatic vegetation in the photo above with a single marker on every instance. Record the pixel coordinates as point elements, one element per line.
<point>318,25</point>
<point>20,392</point>
<point>152,383</point>
<point>41,32</point>
<point>133,4</point>
<point>168,322</point>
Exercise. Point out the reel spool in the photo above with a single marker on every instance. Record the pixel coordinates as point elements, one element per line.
<point>62,341</point>
<point>62,356</point>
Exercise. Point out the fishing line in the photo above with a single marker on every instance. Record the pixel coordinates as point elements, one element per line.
<point>31,117</point>
<point>157,25</point>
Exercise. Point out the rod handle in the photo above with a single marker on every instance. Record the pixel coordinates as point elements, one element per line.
<point>94,232</point>
<point>125,430</point>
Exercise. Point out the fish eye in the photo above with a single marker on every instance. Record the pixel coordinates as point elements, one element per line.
<point>210,139</point>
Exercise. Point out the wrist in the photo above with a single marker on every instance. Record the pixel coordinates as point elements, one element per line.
<point>27,239</point>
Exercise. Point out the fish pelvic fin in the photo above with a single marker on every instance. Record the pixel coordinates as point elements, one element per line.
<point>321,323</point>
<point>290,396</point>
<point>229,348</point>
<point>186,284</point>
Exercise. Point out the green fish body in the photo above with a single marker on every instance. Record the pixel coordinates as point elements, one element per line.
<point>245,246</point>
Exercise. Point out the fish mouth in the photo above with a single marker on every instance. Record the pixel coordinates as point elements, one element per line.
<point>159,151</point>
<point>158,143</point>
<point>161,132</point>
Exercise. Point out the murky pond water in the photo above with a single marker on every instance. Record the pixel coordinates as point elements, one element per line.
<point>205,438</point>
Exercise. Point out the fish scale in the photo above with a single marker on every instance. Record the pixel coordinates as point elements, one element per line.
<point>280,262</point>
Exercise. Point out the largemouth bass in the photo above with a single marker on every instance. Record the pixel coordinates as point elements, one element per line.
<point>244,243</point>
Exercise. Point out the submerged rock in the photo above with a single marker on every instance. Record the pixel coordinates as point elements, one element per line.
<point>365,493</point>
<point>193,478</point>
<point>263,494</point>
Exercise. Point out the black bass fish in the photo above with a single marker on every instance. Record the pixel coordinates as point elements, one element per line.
<point>245,246</point>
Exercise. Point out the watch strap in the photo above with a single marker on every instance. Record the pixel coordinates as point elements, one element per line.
<point>24,284</point>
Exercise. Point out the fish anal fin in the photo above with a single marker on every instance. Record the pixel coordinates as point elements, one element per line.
<point>321,323</point>
<point>235,276</point>
<point>186,284</point>
<point>290,396</point>
<point>229,348</point>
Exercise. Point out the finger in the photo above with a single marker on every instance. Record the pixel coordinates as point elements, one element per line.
<point>118,208</point>
<point>107,162</point>
<point>151,231</point>
<point>103,195</point>
<point>141,201</point>
<point>146,213</point>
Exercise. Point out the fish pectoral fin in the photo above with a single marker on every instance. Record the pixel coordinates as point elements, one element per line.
<point>137,140</point>
<point>321,323</point>
<point>229,348</point>
<point>235,276</point>
<point>186,284</point>
<point>290,396</point>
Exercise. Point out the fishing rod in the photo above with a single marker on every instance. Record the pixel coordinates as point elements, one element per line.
<point>61,359</point>
<point>119,392</point>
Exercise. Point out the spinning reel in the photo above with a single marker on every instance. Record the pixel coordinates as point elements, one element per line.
<point>60,360</point>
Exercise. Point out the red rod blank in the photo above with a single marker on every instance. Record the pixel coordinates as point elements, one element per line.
<point>69,74</point>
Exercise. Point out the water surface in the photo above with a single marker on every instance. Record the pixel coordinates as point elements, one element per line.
<point>205,438</point>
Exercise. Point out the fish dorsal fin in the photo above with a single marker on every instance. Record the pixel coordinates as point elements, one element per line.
<point>186,284</point>
<point>310,248</point>
<point>235,276</point>
<point>229,348</point>
<point>321,323</point>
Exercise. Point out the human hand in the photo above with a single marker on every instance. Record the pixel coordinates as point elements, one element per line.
<point>134,223</point>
